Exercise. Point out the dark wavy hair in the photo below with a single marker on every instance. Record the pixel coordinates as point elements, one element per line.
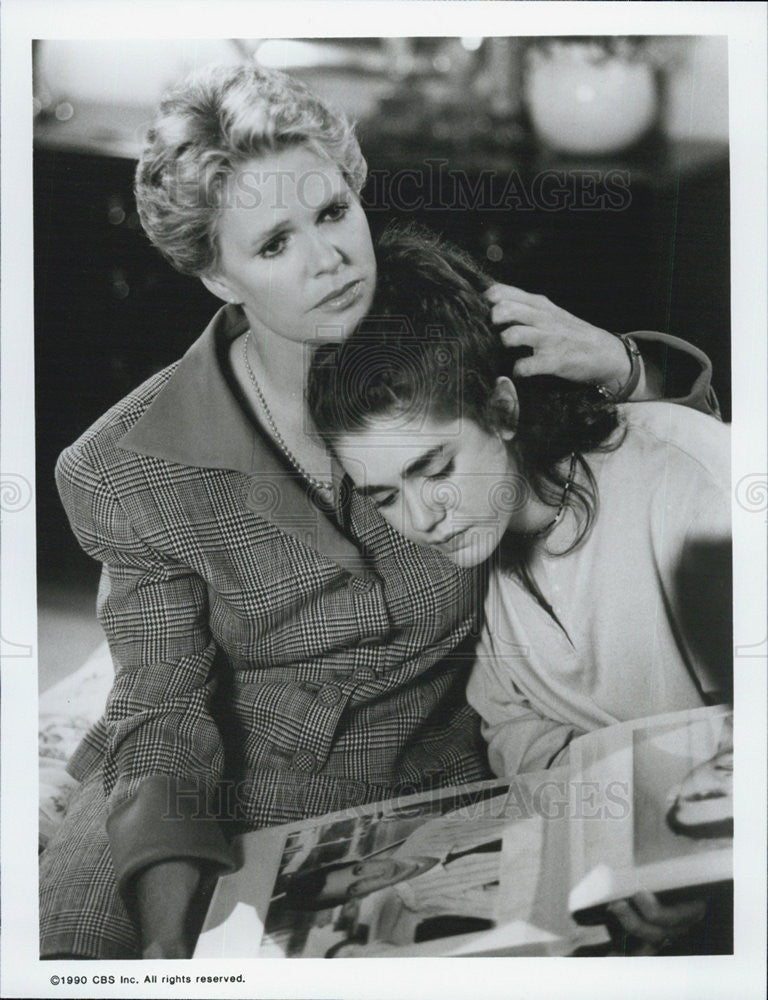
<point>427,348</point>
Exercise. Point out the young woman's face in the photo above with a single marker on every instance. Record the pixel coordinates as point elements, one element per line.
<point>449,485</point>
<point>370,875</point>
<point>294,248</point>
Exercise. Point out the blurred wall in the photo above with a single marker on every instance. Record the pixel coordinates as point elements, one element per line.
<point>697,95</point>
<point>134,74</point>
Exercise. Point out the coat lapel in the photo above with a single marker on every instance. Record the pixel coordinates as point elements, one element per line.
<point>196,420</point>
<point>277,493</point>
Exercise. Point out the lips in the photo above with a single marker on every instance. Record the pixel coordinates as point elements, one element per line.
<point>342,297</point>
<point>452,541</point>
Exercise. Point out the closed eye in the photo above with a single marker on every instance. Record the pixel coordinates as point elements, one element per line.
<point>386,501</point>
<point>444,473</point>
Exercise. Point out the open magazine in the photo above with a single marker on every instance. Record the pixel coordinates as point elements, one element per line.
<point>517,867</point>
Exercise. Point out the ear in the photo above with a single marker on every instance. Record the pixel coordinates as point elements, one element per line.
<point>219,287</point>
<point>505,407</point>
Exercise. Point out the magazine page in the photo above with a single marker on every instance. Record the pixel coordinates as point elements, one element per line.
<point>670,779</point>
<point>459,872</point>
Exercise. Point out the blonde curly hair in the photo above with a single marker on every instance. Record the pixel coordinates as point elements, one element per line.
<point>210,125</point>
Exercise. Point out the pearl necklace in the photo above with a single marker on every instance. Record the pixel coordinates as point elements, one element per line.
<point>316,484</point>
<point>561,509</point>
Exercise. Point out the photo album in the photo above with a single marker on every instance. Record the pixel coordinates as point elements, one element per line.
<point>508,868</point>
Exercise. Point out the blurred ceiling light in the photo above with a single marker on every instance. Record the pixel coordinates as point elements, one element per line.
<point>471,44</point>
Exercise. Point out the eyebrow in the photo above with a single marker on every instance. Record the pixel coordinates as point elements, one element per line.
<point>412,469</point>
<point>285,225</point>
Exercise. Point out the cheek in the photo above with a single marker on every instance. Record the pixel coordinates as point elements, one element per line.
<point>278,281</point>
<point>280,310</point>
<point>476,496</point>
<point>359,226</point>
<point>395,519</point>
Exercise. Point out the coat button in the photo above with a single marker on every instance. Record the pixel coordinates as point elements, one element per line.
<point>329,694</point>
<point>304,760</point>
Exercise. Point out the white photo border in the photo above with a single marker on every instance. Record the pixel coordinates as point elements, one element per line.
<point>704,978</point>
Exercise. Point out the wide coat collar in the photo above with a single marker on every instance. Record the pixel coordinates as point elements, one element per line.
<point>197,420</point>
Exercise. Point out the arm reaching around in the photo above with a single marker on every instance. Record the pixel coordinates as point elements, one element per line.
<point>563,345</point>
<point>519,738</point>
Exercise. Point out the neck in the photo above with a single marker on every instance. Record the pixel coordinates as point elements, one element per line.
<point>536,515</point>
<point>282,364</point>
<point>271,377</point>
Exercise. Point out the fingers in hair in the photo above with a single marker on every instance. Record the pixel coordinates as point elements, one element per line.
<point>510,311</point>
<point>522,336</point>
<point>533,365</point>
<point>502,293</point>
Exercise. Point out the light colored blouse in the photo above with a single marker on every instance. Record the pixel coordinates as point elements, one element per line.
<point>642,604</point>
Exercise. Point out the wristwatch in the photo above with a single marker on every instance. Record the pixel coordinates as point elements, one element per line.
<point>636,367</point>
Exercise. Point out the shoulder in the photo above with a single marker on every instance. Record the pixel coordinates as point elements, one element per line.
<point>677,440</point>
<point>97,448</point>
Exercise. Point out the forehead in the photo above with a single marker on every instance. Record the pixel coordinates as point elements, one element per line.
<point>279,186</point>
<point>389,445</point>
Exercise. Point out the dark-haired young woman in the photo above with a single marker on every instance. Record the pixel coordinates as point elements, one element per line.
<point>606,528</point>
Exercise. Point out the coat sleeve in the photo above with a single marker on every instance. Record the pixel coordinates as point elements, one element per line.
<point>682,372</point>
<point>163,754</point>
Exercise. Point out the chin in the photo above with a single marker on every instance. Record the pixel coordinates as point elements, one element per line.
<point>335,334</point>
<point>468,561</point>
<point>337,331</point>
<point>471,555</point>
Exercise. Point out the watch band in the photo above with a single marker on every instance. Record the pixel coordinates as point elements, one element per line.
<point>635,362</point>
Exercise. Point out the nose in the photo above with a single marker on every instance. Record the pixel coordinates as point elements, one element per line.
<point>326,255</point>
<point>424,514</point>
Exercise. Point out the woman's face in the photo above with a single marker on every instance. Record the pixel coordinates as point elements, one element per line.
<point>294,248</point>
<point>448,484</point>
